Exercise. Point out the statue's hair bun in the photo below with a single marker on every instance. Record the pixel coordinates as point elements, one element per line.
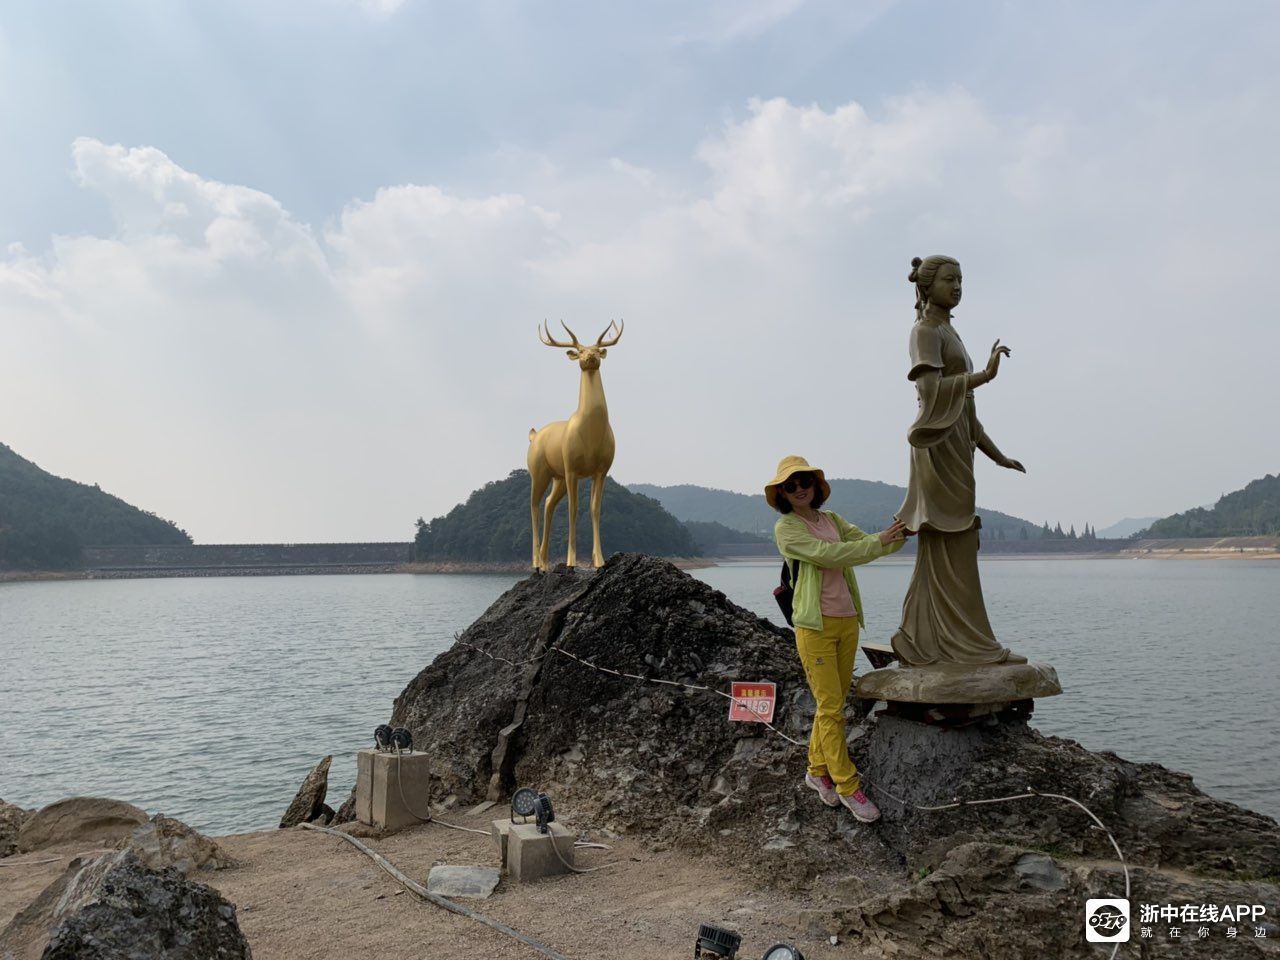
<point>915,269</point>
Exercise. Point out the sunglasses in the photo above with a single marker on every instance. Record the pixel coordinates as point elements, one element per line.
<point>801,481</point>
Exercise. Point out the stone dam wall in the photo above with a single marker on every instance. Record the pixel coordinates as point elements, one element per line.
<point>247,555</point>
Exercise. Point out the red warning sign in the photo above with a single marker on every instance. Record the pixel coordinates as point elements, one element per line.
<point>753,702</point>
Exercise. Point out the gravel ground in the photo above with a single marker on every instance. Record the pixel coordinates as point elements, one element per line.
<point>301,894</point>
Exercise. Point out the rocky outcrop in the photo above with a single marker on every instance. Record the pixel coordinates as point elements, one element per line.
<point>508,705</point>
<point>991,900</point>
<point>12,817</point>
<point>164,842</point>
<point>1157,815</point>
<point>116,907</point>
<point>79,820</point>
<point>633,756</point>
<point>308,804</point>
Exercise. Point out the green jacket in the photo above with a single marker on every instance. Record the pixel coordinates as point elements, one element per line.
<point>796,542</point>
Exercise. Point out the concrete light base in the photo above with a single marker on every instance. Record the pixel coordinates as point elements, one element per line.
<point>529,853</point>
<point>500,830</point>
<point>960,683</point>
<point>392,790</point>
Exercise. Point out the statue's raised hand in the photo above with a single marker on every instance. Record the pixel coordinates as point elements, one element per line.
<point>993,362</point>
<point>1013,465</point>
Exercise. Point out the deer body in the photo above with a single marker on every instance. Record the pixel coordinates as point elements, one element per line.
<point>566,451</point>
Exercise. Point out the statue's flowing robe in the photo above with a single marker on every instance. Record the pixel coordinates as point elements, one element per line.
<point>944,618</point>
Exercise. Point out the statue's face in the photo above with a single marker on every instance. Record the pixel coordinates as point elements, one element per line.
<point>945,291</point>
<point>588,357</point>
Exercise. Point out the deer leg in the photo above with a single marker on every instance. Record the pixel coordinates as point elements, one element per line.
<point>571,483</point>
<point>597,498</point>
<point>538,483</point>
<point>553,499</point>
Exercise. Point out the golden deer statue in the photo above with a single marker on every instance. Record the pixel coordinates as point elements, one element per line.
<point>564,452</point>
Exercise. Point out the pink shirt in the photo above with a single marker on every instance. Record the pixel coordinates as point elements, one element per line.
<point>837,601</point>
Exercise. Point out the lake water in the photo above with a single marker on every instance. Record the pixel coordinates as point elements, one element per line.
<point>210,698</point>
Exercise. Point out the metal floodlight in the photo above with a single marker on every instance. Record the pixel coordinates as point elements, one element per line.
<point>523,804</point>
<point>382,736</point>
<point>716,941</point>
<point>783,951</point>
<point>402,739</point>
<point>543,812</point>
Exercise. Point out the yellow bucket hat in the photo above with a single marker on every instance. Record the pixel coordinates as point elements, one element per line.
<point>792,465</point>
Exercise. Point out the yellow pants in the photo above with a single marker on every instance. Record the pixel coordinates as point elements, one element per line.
<point>827,655</point>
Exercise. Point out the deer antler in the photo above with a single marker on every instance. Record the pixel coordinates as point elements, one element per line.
<point>544,334</point>
<point>609,343</point>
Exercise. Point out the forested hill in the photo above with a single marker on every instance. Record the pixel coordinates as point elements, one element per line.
<point>867,503</point>
<point>1251,512</point>
<point>46,520</point>
<point>493,525</point>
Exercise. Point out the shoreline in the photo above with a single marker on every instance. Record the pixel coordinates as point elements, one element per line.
<point>480,567</point>
<point>298,570</point>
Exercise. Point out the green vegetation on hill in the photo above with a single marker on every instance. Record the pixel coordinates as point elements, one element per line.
<point>45,520</point>
<point>867,503</point>
<point>1251,512</point>
<point>493,525</point>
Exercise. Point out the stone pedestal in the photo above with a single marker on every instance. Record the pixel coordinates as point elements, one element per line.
<point>529,853</point>
<point>392,790</point>
<point>960,683</point>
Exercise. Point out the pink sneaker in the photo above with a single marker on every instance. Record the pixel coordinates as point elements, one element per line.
<point>861,808</point>
<point>826,788</point>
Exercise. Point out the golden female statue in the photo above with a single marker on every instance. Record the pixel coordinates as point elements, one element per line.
<point>944,618</point>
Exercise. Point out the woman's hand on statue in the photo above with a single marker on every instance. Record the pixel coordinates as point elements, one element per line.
<point>993,362</point>
<point>1014,465</point>
<point>896,531</point>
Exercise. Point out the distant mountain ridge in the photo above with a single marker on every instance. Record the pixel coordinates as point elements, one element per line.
<point>1253,511</point>
<point>46,521</point>
<point>868,503</point>
<point>1122,529</point>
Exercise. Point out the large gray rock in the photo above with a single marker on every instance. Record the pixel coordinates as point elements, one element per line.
<point>117,908</point>
<point>12,817</point>
<point>309,801</point>
<point>165,842</point>
<point>628,756</point>
<point>79,820</point>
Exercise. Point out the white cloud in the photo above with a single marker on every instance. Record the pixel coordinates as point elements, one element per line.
<point>338,383</point>
<point>379,8</point>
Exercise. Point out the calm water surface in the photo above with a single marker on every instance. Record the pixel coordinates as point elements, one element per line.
<point>210,698</point>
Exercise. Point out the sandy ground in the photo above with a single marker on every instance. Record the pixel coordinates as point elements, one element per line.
<point>302,894</point>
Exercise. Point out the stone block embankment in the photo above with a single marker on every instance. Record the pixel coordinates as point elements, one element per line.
<point>249,556</point>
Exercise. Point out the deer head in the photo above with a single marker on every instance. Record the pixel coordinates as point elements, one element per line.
<point>588,357</point>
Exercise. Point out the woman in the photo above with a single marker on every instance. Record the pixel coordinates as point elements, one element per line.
<point>944,618</point>
<point>826,612</point>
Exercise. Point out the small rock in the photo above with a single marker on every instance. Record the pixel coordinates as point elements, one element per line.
<point>310,797</point>
<point>463,883</point>
<point>166,842</point>
<point>12,817</point>
<point>347,812</point>
<point>778,843</point>
<point>1040,872</point>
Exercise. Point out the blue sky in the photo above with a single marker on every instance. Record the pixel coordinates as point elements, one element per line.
<point>273,269</point>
